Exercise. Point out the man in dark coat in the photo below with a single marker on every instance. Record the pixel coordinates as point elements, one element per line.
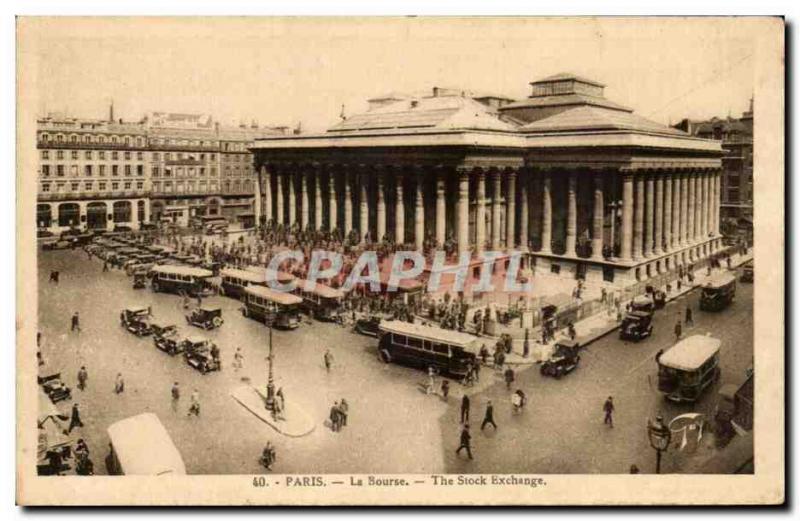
<point>75,420</point>
<point>76,322</point>
<point>488,416</point>
<point>465,439</point>
<point>689,319</point>
<point>465,409</point>
<point>608,409</point>
<point>678,330</point>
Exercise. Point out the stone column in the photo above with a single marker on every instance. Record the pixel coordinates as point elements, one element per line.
<point>523,213</point>
<point>463,212</point>
<point>381,228</point>
<point>572,215</point>
<point>496,195</point>
<point>717,200</point>
<point>267,195</point>
<point>511,211</point>
<point>480,213</point>
<point>658,229</point>
<point>638,219</point>
<point>363,215</point>
<point>597,217</point>
<point>257,197</point>
<point>626,233</point>
<point>707,201</point>
<point>686,214</point>
<point>332,210</point>
<point>441,211</point>
<point>292,201</point>
<point>317,201</point>
<point>304,200</point>
<point>648,216</point>
<point>547,214</point>
<point>419,215</point>
<point>668,216</point>
<point>348,205</point>
<point>279,200</point>
<point>692,208</point>
<point>399,212</point>
<point>699,206</point>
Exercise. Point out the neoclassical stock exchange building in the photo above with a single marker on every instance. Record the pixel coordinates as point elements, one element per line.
<point>581,184</point>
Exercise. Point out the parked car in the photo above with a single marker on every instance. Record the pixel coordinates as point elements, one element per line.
<point>206,317</point>
<point>747,273</point>
<point>564,360</point>
<point>369,326</point>
<point>165,338</point>
<point>136,319</point>
<point>202,354</point>
<point>636,325</point>
<point>55,389</point>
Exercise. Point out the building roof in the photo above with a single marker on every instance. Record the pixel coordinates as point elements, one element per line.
<point>690,353</point>
<point>564,100</point>
<point>593,118</point>
<point>442,112</point>
<point>564,76</point>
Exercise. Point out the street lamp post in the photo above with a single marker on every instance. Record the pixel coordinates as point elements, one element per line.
<point>270,401</point>
<point>660,436</point>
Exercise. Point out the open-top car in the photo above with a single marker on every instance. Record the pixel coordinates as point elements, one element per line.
<point>206,317</point>
<point>55,389</point>
<point>165,337</point>
<point>636,325</point>
<point>202,354</point>
<point>136,319</point>
<point>368,325</point>
<point>564,360</point>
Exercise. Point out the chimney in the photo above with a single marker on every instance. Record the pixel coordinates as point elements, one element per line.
<point>436,92</point>
<point>111,112</point>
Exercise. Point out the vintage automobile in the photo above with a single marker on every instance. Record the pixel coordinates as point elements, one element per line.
<point>136,319</point>
<point>369,325</point>
<point>165,337</point>
<point>643,303</point>
<point>206,317</point>
<point>202,354</point>
<point>747,273</point>
<point>58,245</point>
<point>636,325</point>
<point>564,360</point>
<point>54,388</point>
<point>140,279</point>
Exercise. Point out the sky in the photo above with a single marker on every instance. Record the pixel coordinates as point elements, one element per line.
<point>285,71</point>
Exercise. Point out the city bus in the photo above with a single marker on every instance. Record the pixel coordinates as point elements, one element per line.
<point>141,446</point>
<point>235,280</point>
<point>718,293</point>
<point>448,351</point>
<point>184,280</point>
<point>686,369</point>
<point>322,302</point>
<point>277,308</point>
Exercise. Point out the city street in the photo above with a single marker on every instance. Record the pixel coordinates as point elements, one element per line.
<point>393,427</point>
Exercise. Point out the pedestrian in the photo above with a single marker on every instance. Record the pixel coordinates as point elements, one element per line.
<point>445,388</point>
<point>526,346</point>
<point>39,358</point>
<point>76,322</point>
<point>689,319</point>
<point>238,359</point>
<point>344,407</point>
<point>678,330</point>
<point>334,417</point>
<point>509,377</point>
<point>105,265</point>
<point>608,409</point>
<point>268,456</point>
<point>484,353</point>
<point>464,442</point>
<point>431,388</point>
<point>119,384</point>
<point>83,376</point>
<point>488,416</point>
<point>634,469</point>
<point>75,418</point>
<point>194,406</point>
<point>328,360</point>
<point>176,395</point>
<point>465,409</point>
<point>603,295</point>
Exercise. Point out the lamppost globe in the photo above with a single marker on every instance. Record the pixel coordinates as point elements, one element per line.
<point>660,436</point>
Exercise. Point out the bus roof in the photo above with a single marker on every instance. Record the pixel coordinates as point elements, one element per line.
<point>690,353</point>
<point>432,333</point>
<point>322,290</point>
<point>143,447</point>
<point>280,276</point>
<point>181,270</point>
<point>248,275</point>
<point>279,297</point>
<point>721,280</point>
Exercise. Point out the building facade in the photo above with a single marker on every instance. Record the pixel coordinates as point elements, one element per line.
<point>583,186</point>
<point>736,135</point>
<point>106,174</point>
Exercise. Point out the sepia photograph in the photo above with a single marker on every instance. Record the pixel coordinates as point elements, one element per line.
<point>388,260</point>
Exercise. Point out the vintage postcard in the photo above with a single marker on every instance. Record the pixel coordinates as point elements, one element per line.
<point>400,261</point>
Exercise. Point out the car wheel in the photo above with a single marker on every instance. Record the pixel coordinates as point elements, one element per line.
<point>384,356</point>
<point>217,321</point>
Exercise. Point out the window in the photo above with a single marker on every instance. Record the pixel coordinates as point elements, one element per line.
<point>139,185</point>
<point>115,185</point>
<point>156,156</point>
<point>555,268</point>
<point>154,171</point>
<point>102,170</point>
<point>101,185</point>
<point>87,185</point>
<point>202,171</point>
<point>60,170</point>
<point>114,169</point>
<point>127,156</point>
<point>114,155</point>
<point>139,170</point>
<point>101,139</point>
<point>101,154</point>
<point>59,138</point>
<point>202,157</point>
<point>73,139</point>
<point>45,170</point>
<point>127,142</point>
<point>87,139</point>
<point>45,154</point>
<point>74,154</point>
<point>87,170</point>
<point>168,156</point>
<point>88,154</point>
<point>213,157</point>
<point>60,154</point>
<point>127,185</point>
<point>46,187</point>
<point>139,156</point>
<point>213,171</point>
<point>73,187</point>
<point>127,169</point>
<point>73,170</point>
<point>156,186</point>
